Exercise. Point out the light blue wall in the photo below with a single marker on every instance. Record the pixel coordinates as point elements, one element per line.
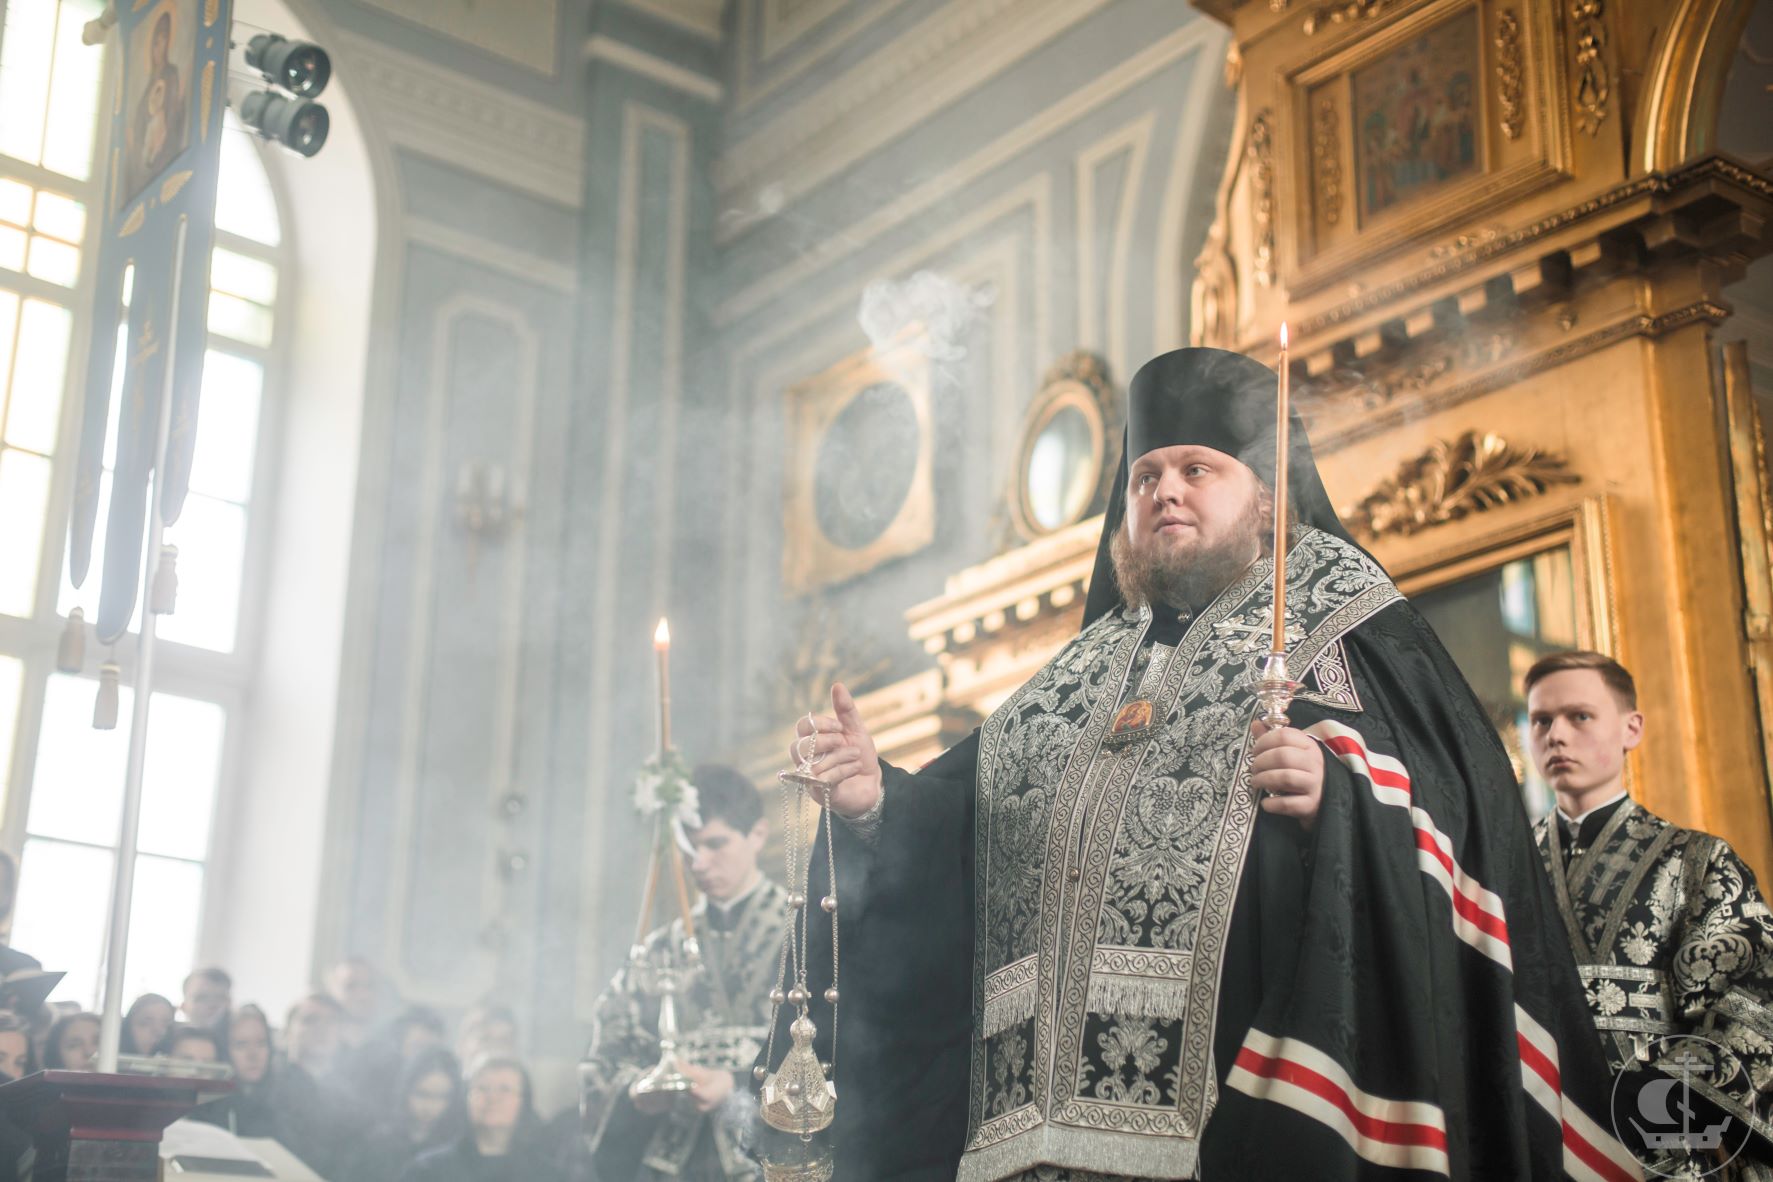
<point>655,482</point>
<point>1177,107</point>
<point>440,869</point>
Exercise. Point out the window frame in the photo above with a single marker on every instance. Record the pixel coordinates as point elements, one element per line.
<point>223,678</point>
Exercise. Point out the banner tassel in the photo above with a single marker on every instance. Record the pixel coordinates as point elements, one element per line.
<point>104,710</point>
<point>164,595</point>
<point>70,651</point>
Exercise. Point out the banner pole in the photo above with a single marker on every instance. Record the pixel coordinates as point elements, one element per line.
<point>123,881</point>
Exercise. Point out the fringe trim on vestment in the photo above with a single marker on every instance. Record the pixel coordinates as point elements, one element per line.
<point>1010,1007</point>
<point>1138,997</point>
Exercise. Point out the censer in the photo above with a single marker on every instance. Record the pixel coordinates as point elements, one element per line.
<point>799,1097</point>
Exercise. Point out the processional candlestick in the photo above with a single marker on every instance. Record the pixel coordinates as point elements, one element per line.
<point>666,793</point>
<point>1275,688</point>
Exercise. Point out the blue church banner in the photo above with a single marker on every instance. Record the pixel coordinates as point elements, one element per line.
<point>159,219</point>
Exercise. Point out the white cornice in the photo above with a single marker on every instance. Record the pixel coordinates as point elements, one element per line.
<point>521,31</point>
<point>701,17</point>
<point>909,80</point>
<point>465,122</point>
<point>519,264</point>
<point>810,259</point>
<point>638,61</point>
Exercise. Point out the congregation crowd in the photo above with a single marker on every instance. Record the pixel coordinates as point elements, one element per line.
<point>358,1093</point>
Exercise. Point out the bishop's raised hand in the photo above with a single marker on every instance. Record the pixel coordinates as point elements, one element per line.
<point>842,754</point>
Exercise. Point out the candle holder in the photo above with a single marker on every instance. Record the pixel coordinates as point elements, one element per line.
<point>664,795</point>
<point>1275,690</point>
<point>665,978</point>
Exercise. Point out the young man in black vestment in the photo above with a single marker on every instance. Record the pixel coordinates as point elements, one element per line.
<point>1121,932</point>
<point>1672,937</point>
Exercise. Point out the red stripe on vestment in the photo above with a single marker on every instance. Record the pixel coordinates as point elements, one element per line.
<point>1299,1075</point>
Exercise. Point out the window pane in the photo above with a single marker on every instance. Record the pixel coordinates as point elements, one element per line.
<point>12,249</point>
<point>26,51</point>
<point>64,894</point>
<point>24,504</point>
<point>54,262</point>
<point>184,764</point>
<point>211,537</point>
<point>244,202</point>
<point>230,316</point>
<point>165,910</point>
<point>249,278</point>
<point>8,333</point>
<point>227,427</point>
<point>38,376</point>
<point>74,98</point>
<point>60,217</point>
<point>77,792</point>
<point>15,202</point>
<point>12,688</point>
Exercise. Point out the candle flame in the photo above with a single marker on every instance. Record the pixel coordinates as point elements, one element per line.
<point>1283,334</point>
<point>662,635</point>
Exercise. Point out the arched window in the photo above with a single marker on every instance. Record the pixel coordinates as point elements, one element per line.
<point>63,781</point>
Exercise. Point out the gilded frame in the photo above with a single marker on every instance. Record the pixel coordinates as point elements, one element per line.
<point>1077,382</point>
<point>811,560</point>
<point>1327,241</point>
<point>1585,526</point>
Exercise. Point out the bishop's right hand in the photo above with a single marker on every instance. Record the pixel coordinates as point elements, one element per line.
<point>842,754</point>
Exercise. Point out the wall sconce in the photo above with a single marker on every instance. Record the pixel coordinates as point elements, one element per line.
<point>486,510</point>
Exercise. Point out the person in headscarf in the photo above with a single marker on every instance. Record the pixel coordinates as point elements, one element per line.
<point>269,1099</point>
<point>428,1114</point>
<point>73,1043</point>
<point>1124,931</point>
<point>501,1143</point>
<point>148,1019</point>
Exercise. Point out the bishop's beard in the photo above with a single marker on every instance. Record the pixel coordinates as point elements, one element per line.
<point>1187,576</point>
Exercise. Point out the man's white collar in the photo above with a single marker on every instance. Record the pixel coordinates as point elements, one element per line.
<point>1577,820</point>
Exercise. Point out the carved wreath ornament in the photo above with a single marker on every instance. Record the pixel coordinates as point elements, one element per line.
<point>1471,474</point>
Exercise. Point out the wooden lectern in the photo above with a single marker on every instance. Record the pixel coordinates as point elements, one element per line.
<point>88,1127</point>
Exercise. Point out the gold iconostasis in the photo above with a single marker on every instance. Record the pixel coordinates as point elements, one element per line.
<point>1500,232</point>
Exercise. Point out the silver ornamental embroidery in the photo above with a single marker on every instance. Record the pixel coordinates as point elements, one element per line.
<point>1113,818</point>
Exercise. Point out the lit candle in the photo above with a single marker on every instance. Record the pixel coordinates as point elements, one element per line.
<point>1280,501</point>
<point>662,646</point>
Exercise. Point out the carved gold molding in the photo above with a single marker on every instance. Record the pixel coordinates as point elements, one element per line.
<point>1322,256</point>
<point>1508,72</point>
<point>1374,388</point>
<point>1346,12</point>
<point>1213,296</point>
<point>1585,528</point>
<point>1677,116</point>
<point>1748,465</point>
<point>1754,526</point>
<point>1460,243</point>
<point>1704,172</point>
<point>1261,160</point>
<point>1593,87</point>
<point>1471,474</point>
<point>1380,414</point>
<point>1326,155</point>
